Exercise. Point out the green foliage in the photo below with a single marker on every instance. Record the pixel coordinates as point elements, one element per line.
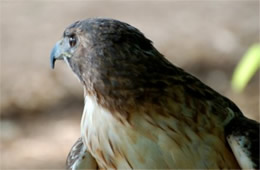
<point>246,68</point>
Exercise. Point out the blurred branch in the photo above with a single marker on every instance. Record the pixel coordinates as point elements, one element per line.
<point>246,68</point>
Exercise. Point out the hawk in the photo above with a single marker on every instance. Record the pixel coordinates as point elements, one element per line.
<point>141,111</point>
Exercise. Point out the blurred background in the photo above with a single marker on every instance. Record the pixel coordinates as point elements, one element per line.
<point>41,108</point>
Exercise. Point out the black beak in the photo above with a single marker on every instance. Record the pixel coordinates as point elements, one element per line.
<point>52,57</point>
<point>57,53</point>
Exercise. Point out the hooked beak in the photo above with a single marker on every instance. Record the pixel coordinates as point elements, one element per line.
<point>59,52</point>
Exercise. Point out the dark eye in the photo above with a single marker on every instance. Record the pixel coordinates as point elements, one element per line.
<point>72,40</point>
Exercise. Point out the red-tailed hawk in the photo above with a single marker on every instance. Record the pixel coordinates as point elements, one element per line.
<point>143,112</point>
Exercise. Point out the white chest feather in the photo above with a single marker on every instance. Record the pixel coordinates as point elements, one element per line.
<point>145,145</point>
<point>116,145</point>
<point>102,134</point>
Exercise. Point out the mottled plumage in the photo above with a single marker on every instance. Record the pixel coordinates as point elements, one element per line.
<point>141,111</point>
<point>80,158</point>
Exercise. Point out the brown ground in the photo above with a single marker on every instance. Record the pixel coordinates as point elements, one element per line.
<point>41,108</point>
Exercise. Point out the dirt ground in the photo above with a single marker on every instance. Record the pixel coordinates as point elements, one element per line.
<point>41,108</point>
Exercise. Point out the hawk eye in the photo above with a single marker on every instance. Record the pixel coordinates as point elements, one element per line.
<point>72,40</point>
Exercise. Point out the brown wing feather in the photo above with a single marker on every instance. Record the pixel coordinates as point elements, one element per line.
<point>243,138</point>
<point>80,158</point>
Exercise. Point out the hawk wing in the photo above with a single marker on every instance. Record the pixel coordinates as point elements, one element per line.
<point>80,158</point>
<point>243,137</point>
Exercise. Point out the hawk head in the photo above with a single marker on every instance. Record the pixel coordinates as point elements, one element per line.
<point>112,59</point>
<point>100,44</point>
